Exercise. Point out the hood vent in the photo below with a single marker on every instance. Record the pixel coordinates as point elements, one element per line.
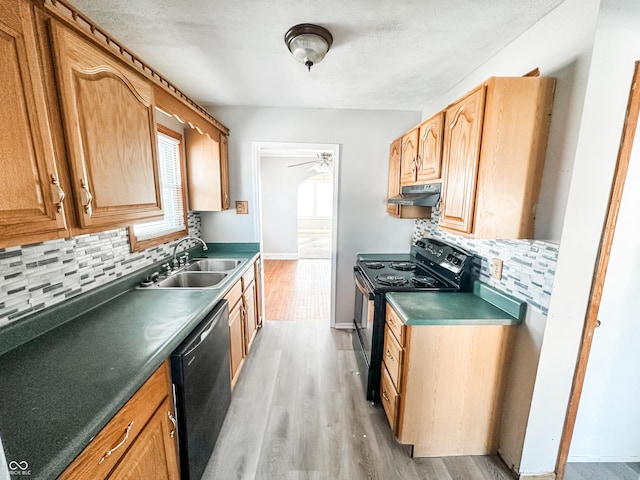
<point>418,195</point>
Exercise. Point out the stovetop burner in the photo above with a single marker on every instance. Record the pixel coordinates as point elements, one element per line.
<point>393,280</point>
<point>374,265</point>
<point>423,281</point>
<point>403,266</point>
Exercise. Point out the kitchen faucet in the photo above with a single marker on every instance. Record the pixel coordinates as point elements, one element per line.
<point>175,248</point>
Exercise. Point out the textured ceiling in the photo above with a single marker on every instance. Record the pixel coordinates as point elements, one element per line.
<point>385,55</point>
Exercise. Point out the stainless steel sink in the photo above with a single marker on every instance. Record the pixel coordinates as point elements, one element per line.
<point>214,265</point>
<point>193,280</point>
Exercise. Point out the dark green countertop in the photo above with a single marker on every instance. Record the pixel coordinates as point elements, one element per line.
<point>484,306</point>
<point>62,387</point>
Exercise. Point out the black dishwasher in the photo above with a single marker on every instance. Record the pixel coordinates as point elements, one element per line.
<point>201,376</point>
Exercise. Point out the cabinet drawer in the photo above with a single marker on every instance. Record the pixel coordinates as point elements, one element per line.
<point>234,294</point>
<point>95,461</point>
<point>390,399</point>
<point>396,324</point>
<point>392,356</point>
<point>248,277</point>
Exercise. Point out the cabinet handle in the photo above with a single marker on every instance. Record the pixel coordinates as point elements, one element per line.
<point>456,117</point>
<point>384,395</point>
<point>59,191</point>
<point>424,137</point>
<point>175,425</point>
<point>391,322</point>
<point>88,198</point>
<point>126,437</point>
<point>389,355</point>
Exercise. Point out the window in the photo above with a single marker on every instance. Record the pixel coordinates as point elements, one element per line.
<point>174,223</point>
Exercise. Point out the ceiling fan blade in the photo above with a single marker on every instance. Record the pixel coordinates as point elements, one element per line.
<point>303,163</point>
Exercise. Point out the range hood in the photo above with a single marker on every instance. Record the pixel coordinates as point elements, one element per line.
<point>418,195</point>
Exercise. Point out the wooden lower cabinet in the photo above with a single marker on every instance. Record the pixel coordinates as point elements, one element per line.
<point>236,340</point>
<point>139,441</point>
<point>152,455</point>
<point>442,387</point>
<point>244,317</point>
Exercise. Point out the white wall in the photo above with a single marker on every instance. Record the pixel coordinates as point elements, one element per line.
<point>364,138</point>
<point>616,47</point>
<point>608,418</point>
<point>279,185</point>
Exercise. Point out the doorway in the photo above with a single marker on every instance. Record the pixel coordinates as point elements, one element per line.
<point>601,437</point>
<point>297,229</point>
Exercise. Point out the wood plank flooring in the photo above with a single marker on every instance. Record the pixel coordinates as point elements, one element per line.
<point>298,412</point>
<point>602,471</point>
<point>297,289</point>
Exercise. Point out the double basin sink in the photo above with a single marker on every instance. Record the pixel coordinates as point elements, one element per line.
<point>202,273</point>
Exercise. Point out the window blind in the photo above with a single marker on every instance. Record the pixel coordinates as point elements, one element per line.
<point>171,185</point>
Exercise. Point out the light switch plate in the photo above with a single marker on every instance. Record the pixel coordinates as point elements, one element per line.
<point>496,268</point>
<point>242,207</point>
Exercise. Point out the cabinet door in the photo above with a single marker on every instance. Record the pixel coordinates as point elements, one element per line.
<point>258,274</point>
<point>430,149</point>
<point>109,125</point>
<point>463,129</point>
<point>394,176</point>
<point>409,158</point>
<point>31,207</point>
<point>204,171</point>
<point>224,172</point>
<point>236,339</point>
<point>153,454</point>
<point>251,315</point>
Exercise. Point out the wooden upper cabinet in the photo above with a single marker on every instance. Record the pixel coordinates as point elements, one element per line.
<point>109,125</point>
<point>409,157</point>
<point>495,144</point>
<point>430,150</point>
<point>462,135</point>
<point>514,145</point>
<point>224,172</point>
<point>31,197</point>
<point>207,171</point>
<point>394,176</point>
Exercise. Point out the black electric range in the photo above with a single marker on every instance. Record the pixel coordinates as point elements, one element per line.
<point>433,265</point>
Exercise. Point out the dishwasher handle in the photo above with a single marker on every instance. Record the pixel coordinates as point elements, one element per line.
<point>200,337</point>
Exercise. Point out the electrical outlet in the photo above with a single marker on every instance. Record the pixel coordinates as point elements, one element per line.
<point>242,207</point>
<point>496,268</point>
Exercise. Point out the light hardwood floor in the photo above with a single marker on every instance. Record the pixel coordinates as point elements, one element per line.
<point>298,412</point>
<point>297,289</point>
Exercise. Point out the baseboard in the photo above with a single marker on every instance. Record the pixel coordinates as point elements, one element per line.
<point>343,326</point>
<point>280,256</point>
<point>538,476</point>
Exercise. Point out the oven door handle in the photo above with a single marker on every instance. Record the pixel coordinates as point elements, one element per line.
<point>361,284</point>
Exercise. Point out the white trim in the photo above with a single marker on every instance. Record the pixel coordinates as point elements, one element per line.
<point>280,256</point>
<point>256,149</point>
<point>344,326</point>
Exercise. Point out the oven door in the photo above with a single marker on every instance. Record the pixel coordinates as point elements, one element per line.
<point>364,313</point>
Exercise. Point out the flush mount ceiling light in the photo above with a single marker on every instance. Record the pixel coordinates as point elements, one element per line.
<point>308,43</point>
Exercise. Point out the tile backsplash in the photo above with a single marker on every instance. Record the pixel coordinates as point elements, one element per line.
<point>529,266</point>
<point>37,276</point>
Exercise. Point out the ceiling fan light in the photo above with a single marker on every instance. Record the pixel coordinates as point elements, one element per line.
<point>308,43</point>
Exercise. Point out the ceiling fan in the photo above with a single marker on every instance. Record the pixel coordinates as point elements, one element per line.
<point>323,164</point>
